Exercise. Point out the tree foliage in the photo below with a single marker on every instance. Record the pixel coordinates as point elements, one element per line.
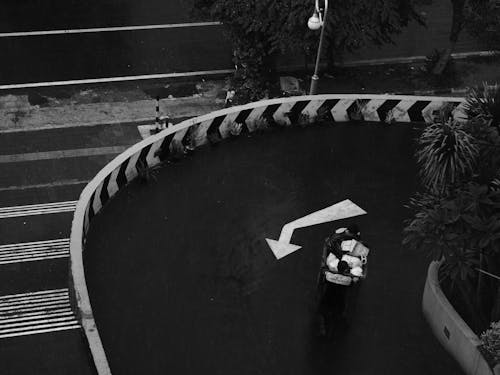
<point>260,29</point>
<point>354,24</point>
<point>483,22</point>
<point>457,216</point>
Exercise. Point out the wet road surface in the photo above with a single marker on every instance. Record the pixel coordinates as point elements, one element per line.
<point>181,279</point>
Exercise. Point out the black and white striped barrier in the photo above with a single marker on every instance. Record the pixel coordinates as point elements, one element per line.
<point>221,124</point>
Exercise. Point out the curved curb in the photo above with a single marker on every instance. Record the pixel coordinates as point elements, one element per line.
<point>450,329</point>
<point>303,110</point>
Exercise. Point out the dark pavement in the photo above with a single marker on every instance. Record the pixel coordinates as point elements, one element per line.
<point>57,352</point>
<point>68,138</point>
<point>182,281</point>
<point>29,15</point>
<point>48,354</point>
<point>112,54</point>
<point>28,59</point>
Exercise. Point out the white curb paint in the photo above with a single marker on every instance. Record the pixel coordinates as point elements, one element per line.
<point>450,329</point>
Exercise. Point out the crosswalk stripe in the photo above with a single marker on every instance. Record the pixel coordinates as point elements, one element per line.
<point>32,307</point>
<point>37,209</point>
<point>16,315</point>
<point>36,312</point>
<point>39,322</point>
<point>36,315</point>
<point>61,242</point>
<point>41,326</point>
<point>38,302</point>
<point>22,252</point>
<point>34,251</point>
<point>38,331</point>
<point>30,294</point>
<point>34,259</point>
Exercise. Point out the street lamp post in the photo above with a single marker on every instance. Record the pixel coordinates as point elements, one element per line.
<point>317,21</point>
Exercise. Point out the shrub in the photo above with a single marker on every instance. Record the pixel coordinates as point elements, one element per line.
<point>446,155</point>
<point>483,22</point>
<point>457,216</point>
<point>145,173</point>
<point>483,102</point>
<point>490,342</point>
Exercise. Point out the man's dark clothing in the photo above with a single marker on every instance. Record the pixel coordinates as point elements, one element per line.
<point>332,297</point>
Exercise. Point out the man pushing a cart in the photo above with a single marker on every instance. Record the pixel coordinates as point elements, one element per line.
<point>343,265</point>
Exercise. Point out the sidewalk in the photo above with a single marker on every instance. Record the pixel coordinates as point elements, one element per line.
<point>99,105</point>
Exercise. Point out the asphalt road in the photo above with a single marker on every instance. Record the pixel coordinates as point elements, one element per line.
<point>182,281</point>
<point>23,350</point>
<point>105,54</point>
<point>30,59</point>
<point>112,54</point>
<point>30,15</point>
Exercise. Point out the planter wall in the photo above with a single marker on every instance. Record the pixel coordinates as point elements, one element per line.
<point>450,329</point>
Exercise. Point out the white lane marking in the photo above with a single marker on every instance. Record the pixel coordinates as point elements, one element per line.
<point>37,209</point>
<point>28,315</point>
<point>62,154</point>
<point>43,186</point>
<point>38,205</point>
<point>38,316</point>
<point>108,29</point>
<point>221,71</point>
<point>55,319</point>
<point>38,331</point>
<point>39,302</point>
<point>57,243</point>
<point>35,307</point>
<point>41,326</point>
<point>341,210</point>
<point>33,294</point>
<point>34,251</point>
<point>36,312</point>
<point>34,259</point>
<point>116,79</point>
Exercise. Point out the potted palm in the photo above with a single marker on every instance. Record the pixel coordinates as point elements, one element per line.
<point>457,214</point>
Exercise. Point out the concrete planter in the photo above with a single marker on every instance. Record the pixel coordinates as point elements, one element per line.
<point>451,330</point>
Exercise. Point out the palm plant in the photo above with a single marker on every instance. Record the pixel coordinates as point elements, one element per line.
<point>446,155</point>
<point>457,217</point>
<point>462,229</point>
<point>484,103</point>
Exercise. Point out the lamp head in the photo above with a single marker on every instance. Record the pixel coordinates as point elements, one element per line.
<point>314,22</point>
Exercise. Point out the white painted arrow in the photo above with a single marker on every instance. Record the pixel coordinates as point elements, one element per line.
<point>341,210</point>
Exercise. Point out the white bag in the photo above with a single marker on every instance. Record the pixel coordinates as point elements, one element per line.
<point>360,250</point>
<point>351,261</point>
<point>337,278</point>
<point>357,271</point>
<point>348,245</point>
<point>332,262</point>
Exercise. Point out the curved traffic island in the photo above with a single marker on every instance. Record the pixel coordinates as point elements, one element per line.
<point>177,267</point>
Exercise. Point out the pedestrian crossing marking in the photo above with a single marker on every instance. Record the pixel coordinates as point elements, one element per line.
<point>35,313</point>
